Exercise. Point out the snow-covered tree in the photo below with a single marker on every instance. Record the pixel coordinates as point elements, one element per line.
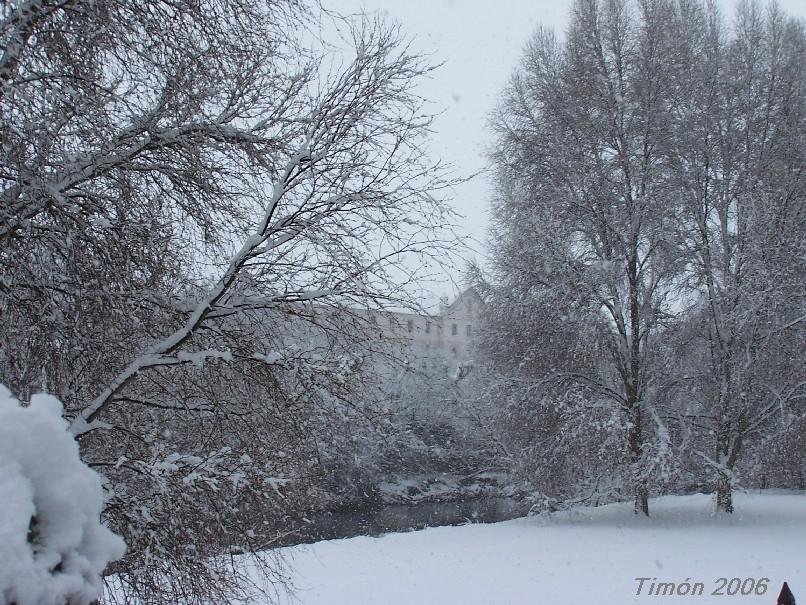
<point>649,230</point>
<point>186,190</point>
<point>736,158</point>
<point>583,210</point>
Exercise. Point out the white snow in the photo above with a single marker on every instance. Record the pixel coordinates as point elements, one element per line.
<point>271,358</point>
<point>590,556</point>
<point>61,556</point>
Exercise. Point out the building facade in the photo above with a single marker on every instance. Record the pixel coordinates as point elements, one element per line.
<point>446,337</point>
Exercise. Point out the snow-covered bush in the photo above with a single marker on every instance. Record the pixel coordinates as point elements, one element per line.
<point>53,548</point>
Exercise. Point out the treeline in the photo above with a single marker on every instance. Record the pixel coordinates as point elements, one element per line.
<point>646,310</point>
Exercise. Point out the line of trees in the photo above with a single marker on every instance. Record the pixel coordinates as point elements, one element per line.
<point>646,315</point>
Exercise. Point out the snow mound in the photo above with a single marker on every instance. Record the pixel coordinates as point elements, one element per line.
<point>53,548</point>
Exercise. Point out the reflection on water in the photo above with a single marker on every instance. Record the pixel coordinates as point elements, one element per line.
<point>402,517</point>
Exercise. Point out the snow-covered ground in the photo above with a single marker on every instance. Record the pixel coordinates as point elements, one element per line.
<point>590,556</point>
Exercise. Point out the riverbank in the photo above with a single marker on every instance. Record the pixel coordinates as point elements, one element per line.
<point>581,556</point>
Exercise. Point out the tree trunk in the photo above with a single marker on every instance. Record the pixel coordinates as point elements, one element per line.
<point>641,503</point>
<point>724,495</point>
<point>729,445</point>
<point>635,440</point>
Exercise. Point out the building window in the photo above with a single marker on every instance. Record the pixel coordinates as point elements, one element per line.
<point>469,330</point>
<point>454,329</point>
<point>410,325</point>
<point>428,327</point>
<point>453,351</point>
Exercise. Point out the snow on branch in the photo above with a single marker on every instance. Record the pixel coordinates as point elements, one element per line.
<point>155,355</point>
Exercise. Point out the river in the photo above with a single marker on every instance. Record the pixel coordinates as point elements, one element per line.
<point>382,519</point>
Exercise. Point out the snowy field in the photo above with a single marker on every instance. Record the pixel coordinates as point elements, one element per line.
<point>589,556</point>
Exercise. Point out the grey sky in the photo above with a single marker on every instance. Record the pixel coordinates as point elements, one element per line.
<point>479,42</point>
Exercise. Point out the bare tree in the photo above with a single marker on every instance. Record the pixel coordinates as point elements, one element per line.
<point>585,208</point>
<point>139,142</point>
<point>738,163</point>
<point>651,200</point>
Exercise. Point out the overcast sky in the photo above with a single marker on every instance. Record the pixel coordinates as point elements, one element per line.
<point>479,42</point>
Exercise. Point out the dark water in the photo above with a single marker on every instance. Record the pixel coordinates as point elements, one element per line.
<point>388,518</point>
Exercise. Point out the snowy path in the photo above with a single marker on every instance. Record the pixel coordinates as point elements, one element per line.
<point>593,556</point>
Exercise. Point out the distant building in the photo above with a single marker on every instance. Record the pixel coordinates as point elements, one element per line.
<point>446,337</point>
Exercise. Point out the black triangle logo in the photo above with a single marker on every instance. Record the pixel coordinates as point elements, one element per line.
<point>786,597</point>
